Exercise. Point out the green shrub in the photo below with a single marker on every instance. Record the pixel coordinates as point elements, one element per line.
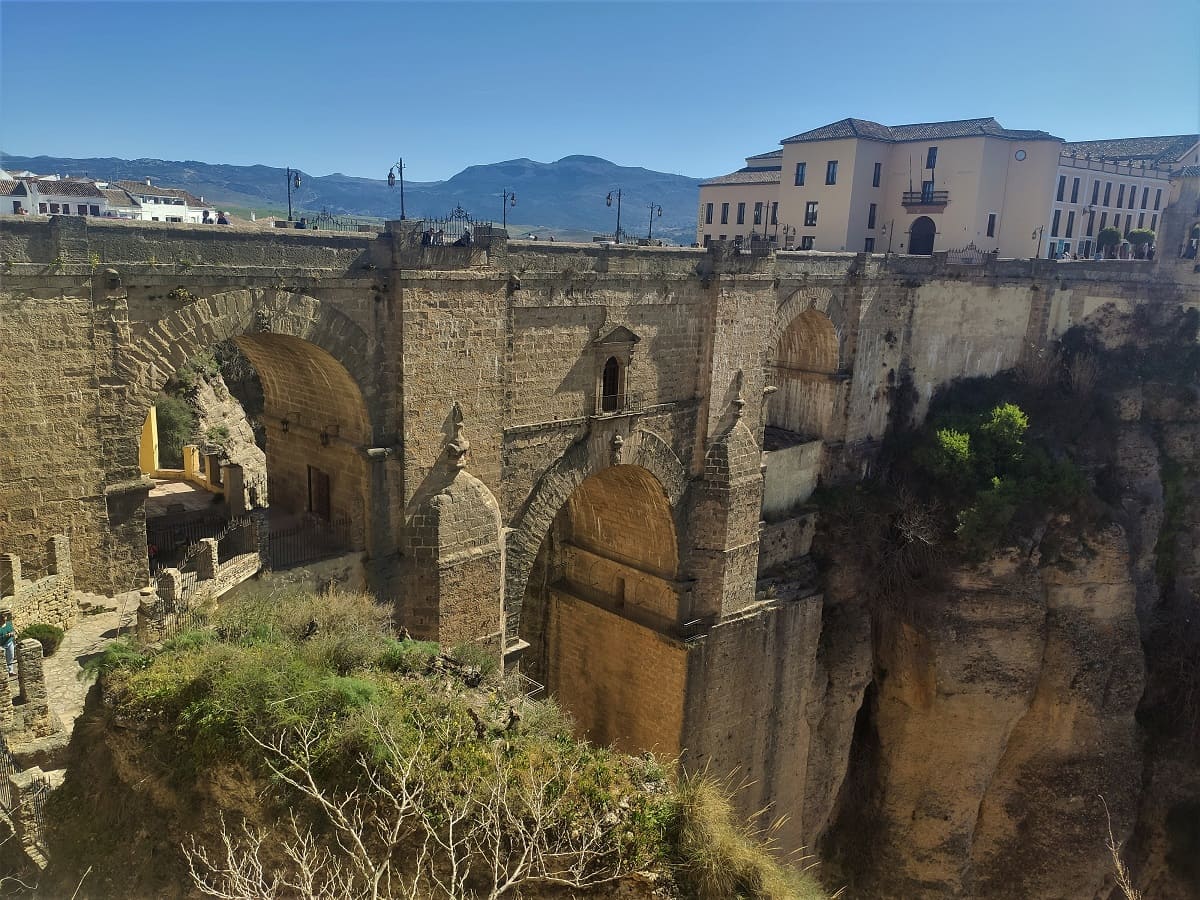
<point>122,654</point>
<point>217,434</point>
<point>176,427</point>
<point>407,657</point>
<point>49,636</point>
<point>486,660</point>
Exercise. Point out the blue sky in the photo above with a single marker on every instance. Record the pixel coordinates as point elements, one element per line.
<point>687,87</point>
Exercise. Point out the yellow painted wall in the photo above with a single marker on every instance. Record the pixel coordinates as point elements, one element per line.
<point>148,448</point>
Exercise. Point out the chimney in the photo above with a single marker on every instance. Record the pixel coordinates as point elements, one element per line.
<point>147,181</point>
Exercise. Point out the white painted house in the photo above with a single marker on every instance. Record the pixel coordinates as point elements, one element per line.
<point>160,204</point>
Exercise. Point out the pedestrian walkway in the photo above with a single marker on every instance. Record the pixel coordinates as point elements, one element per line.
<point>102,620</point>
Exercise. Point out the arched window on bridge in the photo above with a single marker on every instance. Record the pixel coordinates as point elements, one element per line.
<point>613,354</point>
<point>610,386</point>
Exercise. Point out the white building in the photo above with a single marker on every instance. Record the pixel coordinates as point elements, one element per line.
<point>160,204</point>
<point>1122,183</point>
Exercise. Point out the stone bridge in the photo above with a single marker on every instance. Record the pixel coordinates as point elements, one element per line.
<point>585,456</point>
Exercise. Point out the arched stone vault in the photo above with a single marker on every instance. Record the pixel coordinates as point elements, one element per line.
<point>158,350</point>
<point>642,448</point>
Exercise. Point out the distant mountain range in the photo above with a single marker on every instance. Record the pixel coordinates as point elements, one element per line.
<point>567,195</point>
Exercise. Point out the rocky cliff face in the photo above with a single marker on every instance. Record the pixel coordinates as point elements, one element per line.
<point>1047,691</point>
<point>990,734</point>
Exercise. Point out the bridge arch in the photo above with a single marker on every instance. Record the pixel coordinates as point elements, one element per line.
<point>600,593</point>
<point>160,348</point>
<point>806,360</point>
<point>313,364</point>
<point>529,528</point>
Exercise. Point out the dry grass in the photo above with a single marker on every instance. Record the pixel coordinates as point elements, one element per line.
<point>726,860</point>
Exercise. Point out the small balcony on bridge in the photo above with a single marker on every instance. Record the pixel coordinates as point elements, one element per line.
<point>925,197</point>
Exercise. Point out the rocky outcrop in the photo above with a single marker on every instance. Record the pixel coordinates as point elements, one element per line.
<point>993,731</point>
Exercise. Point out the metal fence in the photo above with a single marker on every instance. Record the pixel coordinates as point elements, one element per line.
<point>170,543</point>
<point>7,767</point>
<point>239,537</point>
<point>310,539</point>
<point>969,255</point>
<point>326,221</point>
<point>456,230</point>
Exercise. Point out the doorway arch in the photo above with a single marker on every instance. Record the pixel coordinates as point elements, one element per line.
<point>921,235</point>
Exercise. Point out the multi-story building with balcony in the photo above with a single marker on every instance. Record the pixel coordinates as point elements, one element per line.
<point>1122,183</point>
<point>858,185</point>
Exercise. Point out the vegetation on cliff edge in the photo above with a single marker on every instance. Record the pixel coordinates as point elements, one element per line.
<point>370,761</point>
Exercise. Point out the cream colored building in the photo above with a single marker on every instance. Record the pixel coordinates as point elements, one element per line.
<point>1122,183</point>
<point>856,185</point>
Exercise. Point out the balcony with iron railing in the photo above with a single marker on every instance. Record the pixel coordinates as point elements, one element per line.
<point>925,198</point>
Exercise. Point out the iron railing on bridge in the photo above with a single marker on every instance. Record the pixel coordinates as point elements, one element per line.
<point>327,221</point>
<point>457,229</point>
<point>310,539</point>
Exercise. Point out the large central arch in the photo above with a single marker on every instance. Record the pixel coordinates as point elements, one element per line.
<point>600,598</point>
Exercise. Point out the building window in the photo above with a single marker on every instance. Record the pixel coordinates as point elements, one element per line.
<point>53,207</point>
<point>1154,223</point>
<point>876,176</point>
<point>991,229</point>
<point>721,237</point>
<point>1095,192</point>
<point>1132,196</point>
<point>1141,219</point>
<point>81,208</point>
<point>724,213</point>
<point>869,245</point>
<point>1107,192</point>
<point>741,213</point>
<point>931,158</point>
<point>42,208</point>
<point>1054,223</point>
<point>708,214</point>
<point>1157,198</point>
<point>774,213</point>
<point>800,174</point>
<point>831,172</point>
<point>871,216</point>
<point>1120,196</point>
<point>810,214</point>
<point>1145,196</point>
<point>610,386</point>
<point>758,207</point>
<point>1103,219</point>
<point>1075,191</point>
<point>1062,186</point>
<point>806,242</point>
<point>707,239</point>
<point>1087,249</point>
<point>1091,223</point>
<point>1070,224</point>
<point>926,191</point>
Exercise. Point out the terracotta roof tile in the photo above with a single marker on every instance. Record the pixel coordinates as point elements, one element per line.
<point>921,131</point>
<point>67,188</point>
<point>747,175</point>
<point>1163,150</point>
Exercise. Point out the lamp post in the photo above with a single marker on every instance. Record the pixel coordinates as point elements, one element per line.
<point>655,209</point>
<point>789,232</point>
<point>398,169</point>
<point>1036,237</point>
<point>507,198</point>
<point>293,180</point>
<point>609,202</point>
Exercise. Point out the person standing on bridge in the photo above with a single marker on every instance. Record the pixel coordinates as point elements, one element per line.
<point>8,637</point>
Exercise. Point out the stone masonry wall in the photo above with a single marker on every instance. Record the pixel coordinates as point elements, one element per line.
<point>46,600</point>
